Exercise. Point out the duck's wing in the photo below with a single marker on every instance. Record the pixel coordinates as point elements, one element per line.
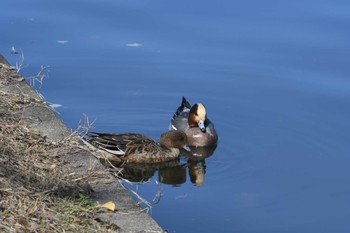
<point>113,143</point>
<point>179,121</point>
<point>121,144</point>
<point>140,145</point>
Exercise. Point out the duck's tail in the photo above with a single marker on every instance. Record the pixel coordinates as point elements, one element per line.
<point>184,107</point>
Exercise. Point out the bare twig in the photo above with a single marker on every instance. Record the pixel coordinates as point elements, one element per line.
<point>20,63</point>
<point>39,77</point>
<point>159,193</point>
<point>84,125</point>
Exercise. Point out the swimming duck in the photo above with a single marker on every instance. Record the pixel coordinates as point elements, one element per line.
<point>193,121</point>
<point>137,148</point>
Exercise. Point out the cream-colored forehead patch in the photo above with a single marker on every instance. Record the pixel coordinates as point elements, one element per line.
<point>201,112</point>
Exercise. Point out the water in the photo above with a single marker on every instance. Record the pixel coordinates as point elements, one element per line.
<point>274,76</point>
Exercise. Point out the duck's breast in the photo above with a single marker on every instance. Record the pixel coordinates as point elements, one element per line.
<point>195,137</point>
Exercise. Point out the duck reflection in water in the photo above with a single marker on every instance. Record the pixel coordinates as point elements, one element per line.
<point>196,162</point>
<point>172,172</point>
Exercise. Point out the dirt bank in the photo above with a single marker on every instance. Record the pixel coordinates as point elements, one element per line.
<point>48,181</point>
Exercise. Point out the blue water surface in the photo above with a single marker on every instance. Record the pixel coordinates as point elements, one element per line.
<point>274,76</point>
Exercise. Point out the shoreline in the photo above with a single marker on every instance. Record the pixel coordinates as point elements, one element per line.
<point>37,116</point>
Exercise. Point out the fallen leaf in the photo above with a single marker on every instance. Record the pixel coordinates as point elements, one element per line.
<point>109,205</point>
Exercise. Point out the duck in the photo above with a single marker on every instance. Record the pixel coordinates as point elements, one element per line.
<point>193,120</point>
<point>138,148</point>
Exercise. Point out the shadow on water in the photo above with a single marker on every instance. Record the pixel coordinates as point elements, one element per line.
<point>172,172</point>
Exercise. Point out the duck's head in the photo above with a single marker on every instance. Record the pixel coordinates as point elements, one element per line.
<point>197,117</point>
<point>174,139</point>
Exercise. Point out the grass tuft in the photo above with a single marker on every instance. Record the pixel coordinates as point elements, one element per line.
<point>38,191</point>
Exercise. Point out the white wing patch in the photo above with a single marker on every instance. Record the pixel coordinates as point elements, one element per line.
<point>115,152</point>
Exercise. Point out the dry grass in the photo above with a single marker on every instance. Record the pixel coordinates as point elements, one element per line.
<point>38,192</point>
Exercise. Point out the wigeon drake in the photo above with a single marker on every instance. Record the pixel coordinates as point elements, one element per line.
<point>193,121</point>
<point>137,148</point>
